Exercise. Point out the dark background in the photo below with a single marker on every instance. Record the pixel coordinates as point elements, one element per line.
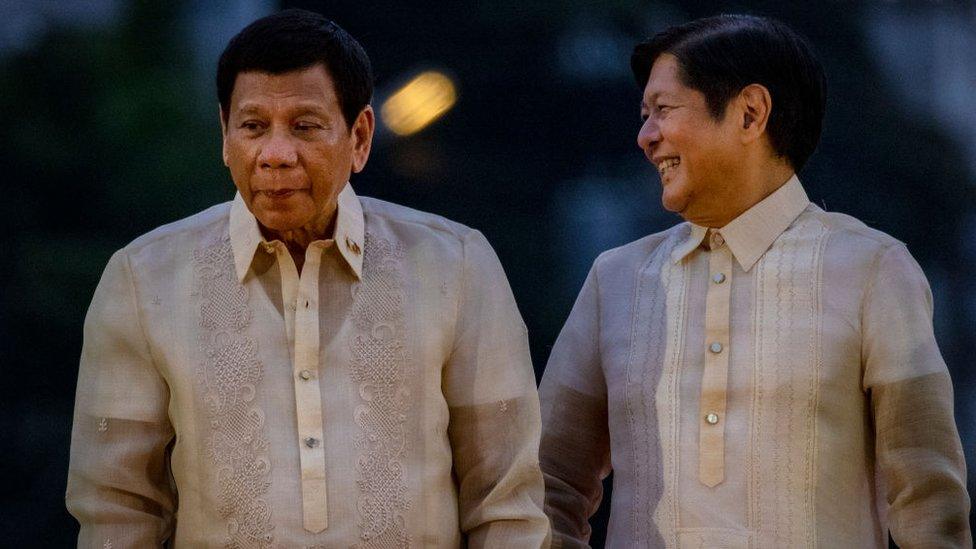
<point>109,128</point>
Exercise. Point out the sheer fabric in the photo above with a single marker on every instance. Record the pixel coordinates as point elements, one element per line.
<point>384,397</point>
<point>831,425</point>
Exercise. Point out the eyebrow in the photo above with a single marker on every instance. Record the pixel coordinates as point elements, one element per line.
<point>664,94</point>
<point>299,109</point>
<point>646,102</point>
<point>313,108</point>
<point>248,108</point>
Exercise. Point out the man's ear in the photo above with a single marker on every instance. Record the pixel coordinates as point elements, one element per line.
<point>755,106</point>
<point>223,132</point>
<point>362,138</point>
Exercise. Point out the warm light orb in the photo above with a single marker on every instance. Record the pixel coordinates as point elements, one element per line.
<point>422,100</point>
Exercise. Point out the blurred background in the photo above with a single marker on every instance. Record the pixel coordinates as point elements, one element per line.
<point>516,117</point>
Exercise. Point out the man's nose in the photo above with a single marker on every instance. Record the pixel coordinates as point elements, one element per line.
<point>278,151</point>
<point>648,136</point>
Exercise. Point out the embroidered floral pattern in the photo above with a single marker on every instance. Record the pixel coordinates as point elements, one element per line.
<point>379,355</point>
<point>237,445</point>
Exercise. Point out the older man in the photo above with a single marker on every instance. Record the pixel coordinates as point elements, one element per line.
<point>764,374</point>
<point>303,367</point>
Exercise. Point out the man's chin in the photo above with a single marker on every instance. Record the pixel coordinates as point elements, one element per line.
<point>674,204</point>
<point>280,215</point>
<point>277,203</point>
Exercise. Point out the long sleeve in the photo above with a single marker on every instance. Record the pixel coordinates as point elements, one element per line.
<point>118,482</point>
<point>575,452</point>
<point>494,411</point>
<point>919,454</point>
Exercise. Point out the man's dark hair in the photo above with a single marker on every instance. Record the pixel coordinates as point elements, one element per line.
<point>721,55</point>
<point>293,40</point>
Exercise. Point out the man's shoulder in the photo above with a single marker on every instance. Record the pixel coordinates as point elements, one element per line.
<point>199,227</point>
<point>844,229</point>
<point>633,254</point>
<point>403,218</point>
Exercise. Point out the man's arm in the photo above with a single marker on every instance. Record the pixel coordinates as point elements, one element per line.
<point>494,428</point>
<point>919,455</point>
<point>575,453</point>
<point>118,480</point>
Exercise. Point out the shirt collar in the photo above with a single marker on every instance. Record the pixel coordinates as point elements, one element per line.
<point>349,235</point>
<point>754,231</point>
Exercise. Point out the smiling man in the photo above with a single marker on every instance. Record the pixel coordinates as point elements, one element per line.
<point>303,367</point>
<point>764,374</point>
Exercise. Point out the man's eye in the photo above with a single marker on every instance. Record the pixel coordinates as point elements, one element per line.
<point>306,126</point>
<point>251,125</point>
<point>663,108</point>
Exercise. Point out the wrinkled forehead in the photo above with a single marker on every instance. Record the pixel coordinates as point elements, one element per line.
<point>310,84</point>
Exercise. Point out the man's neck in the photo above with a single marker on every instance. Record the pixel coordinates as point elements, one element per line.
<point>748,188</point>
<point>298,240</point>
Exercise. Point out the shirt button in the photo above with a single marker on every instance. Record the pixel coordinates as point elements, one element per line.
<point>715,347</point>
<point>268,248</point>
<point>711,418</point>
<point>305,374</point>
<point>718,240</point>
<point>311,442</point>
<point>718,278</point>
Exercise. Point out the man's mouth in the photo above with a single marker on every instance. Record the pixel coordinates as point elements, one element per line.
<point>665,166</point>
<point>278,193</point>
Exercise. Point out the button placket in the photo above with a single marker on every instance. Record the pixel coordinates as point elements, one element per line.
<point>308,396</point>
<point>714,384</point>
